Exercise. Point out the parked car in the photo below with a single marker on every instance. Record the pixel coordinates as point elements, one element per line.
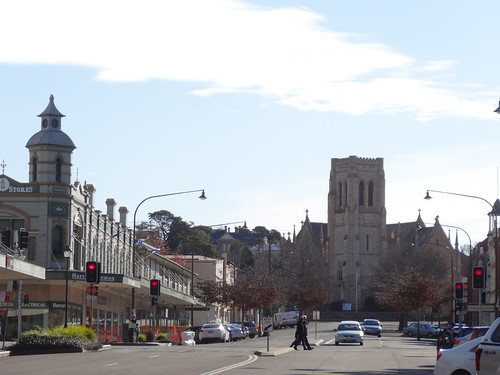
<point>468,334</point>
<point>487,356</point>
<point>426,330</point>
<point>214,332</point>
<point>252,328</point>
<point>458,360</point>
<point>236,332</point>
<point>372,327</point>
<point>349,331</point>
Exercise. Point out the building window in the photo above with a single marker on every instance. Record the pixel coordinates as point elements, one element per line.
<point>370,194</point>
<point>340,194</point>
<point>58,169</point>
<point>367,243</point>
<point>34,169</point>
<point>57,242</point>
<point>361,193</point>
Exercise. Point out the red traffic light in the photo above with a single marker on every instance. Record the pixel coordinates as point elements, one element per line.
<point>459,290</point>
<point>92,272</point>
<point>478,277</point>
<point>154,287</point>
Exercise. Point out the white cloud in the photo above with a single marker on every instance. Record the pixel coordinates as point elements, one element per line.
<point>282,54</point>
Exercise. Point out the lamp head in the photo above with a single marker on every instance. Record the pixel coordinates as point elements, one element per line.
<point>427,196</point>
<point>202,196</point>
<point>498,109</point>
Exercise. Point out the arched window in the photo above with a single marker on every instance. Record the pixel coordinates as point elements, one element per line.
<point>34,169</point>
<point>340,194</point>
<point>57,242</point>
<point>370,194</point>
<point>58,169</point>
<point>361,193</point>
<point>367,243</point>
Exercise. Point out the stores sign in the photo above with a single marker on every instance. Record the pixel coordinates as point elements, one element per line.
<point>7,186</point>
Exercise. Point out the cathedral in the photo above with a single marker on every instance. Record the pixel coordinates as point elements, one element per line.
<point>357,234</point>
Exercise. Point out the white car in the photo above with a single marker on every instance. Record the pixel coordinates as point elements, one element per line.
<point>214,332</point>
<point>457,360</point>
<point>349,331</point>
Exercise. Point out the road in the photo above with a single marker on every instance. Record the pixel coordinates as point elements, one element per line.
<point>391,354</point>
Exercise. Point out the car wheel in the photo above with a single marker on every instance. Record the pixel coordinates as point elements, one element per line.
<point>336,342</point>
<point>461,372</point>
<point>252,336</point>
<point>430,335</point>
<point>361,343</point>
<point>410,334</point>
<point>379,335</point>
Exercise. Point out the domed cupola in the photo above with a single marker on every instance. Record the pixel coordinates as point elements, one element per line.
<point>51,133</point>
<point>50,149</point>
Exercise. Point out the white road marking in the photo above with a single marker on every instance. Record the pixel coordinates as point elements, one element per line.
<point>111,364</point>
<point>251,358</point>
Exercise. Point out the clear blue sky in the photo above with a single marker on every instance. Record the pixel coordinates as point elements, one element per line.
<point>251,100</point>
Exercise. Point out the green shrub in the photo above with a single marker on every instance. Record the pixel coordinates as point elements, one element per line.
<point>58,338</point>
<point>142,337</point>
<point>161,337</point>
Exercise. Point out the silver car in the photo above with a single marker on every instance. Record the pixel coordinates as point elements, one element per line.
<point>349,331</point>
<point>372,327</point>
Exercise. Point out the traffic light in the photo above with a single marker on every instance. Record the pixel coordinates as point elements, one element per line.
<point>26,299</point>
<point>154,301</point>
<point>6,237</point>
<point>92,272</point>
<point>459,290</point>
<point>478,277</point>
<point>154,287</point>
<point>23,239</point>
<point>459,305</point>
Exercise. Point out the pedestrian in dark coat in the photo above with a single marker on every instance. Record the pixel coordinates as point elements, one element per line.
<point>305,341</point>
<point>298,334</point>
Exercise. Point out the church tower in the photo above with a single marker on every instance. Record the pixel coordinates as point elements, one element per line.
<point>356,228</point>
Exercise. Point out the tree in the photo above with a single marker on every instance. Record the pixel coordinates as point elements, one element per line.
<point>410,280</point>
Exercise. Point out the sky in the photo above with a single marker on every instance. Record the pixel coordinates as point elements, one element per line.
<point>250,100</point>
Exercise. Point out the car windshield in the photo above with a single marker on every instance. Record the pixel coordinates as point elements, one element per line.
<point>371,322</point>
<point>348,327</point>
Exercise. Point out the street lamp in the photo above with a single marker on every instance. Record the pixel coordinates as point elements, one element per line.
<point>67,255</point>
<point>494,213</point>
<point>134,244</point>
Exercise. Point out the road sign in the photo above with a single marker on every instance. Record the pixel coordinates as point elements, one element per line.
<point>92,290</point>
<point>488,308</point>
<point>267,323</point>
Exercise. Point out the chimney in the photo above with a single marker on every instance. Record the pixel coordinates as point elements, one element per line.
<point>110,203</point>
<point>123,216</point>
<point>90,190</point>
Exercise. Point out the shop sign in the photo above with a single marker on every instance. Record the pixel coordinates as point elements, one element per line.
<point>10,186</point>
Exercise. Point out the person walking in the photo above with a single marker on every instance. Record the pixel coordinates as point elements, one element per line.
<point>299,332</point>
<point>137,331</point>
<point>305,341</point>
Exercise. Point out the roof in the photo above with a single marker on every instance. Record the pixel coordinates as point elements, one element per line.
<point>51,137</point>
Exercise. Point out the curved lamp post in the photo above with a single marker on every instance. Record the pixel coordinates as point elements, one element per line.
<point>134,244</point>
<point>493,212</point>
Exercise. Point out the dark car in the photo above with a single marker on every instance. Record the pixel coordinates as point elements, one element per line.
<point>196,330</point>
